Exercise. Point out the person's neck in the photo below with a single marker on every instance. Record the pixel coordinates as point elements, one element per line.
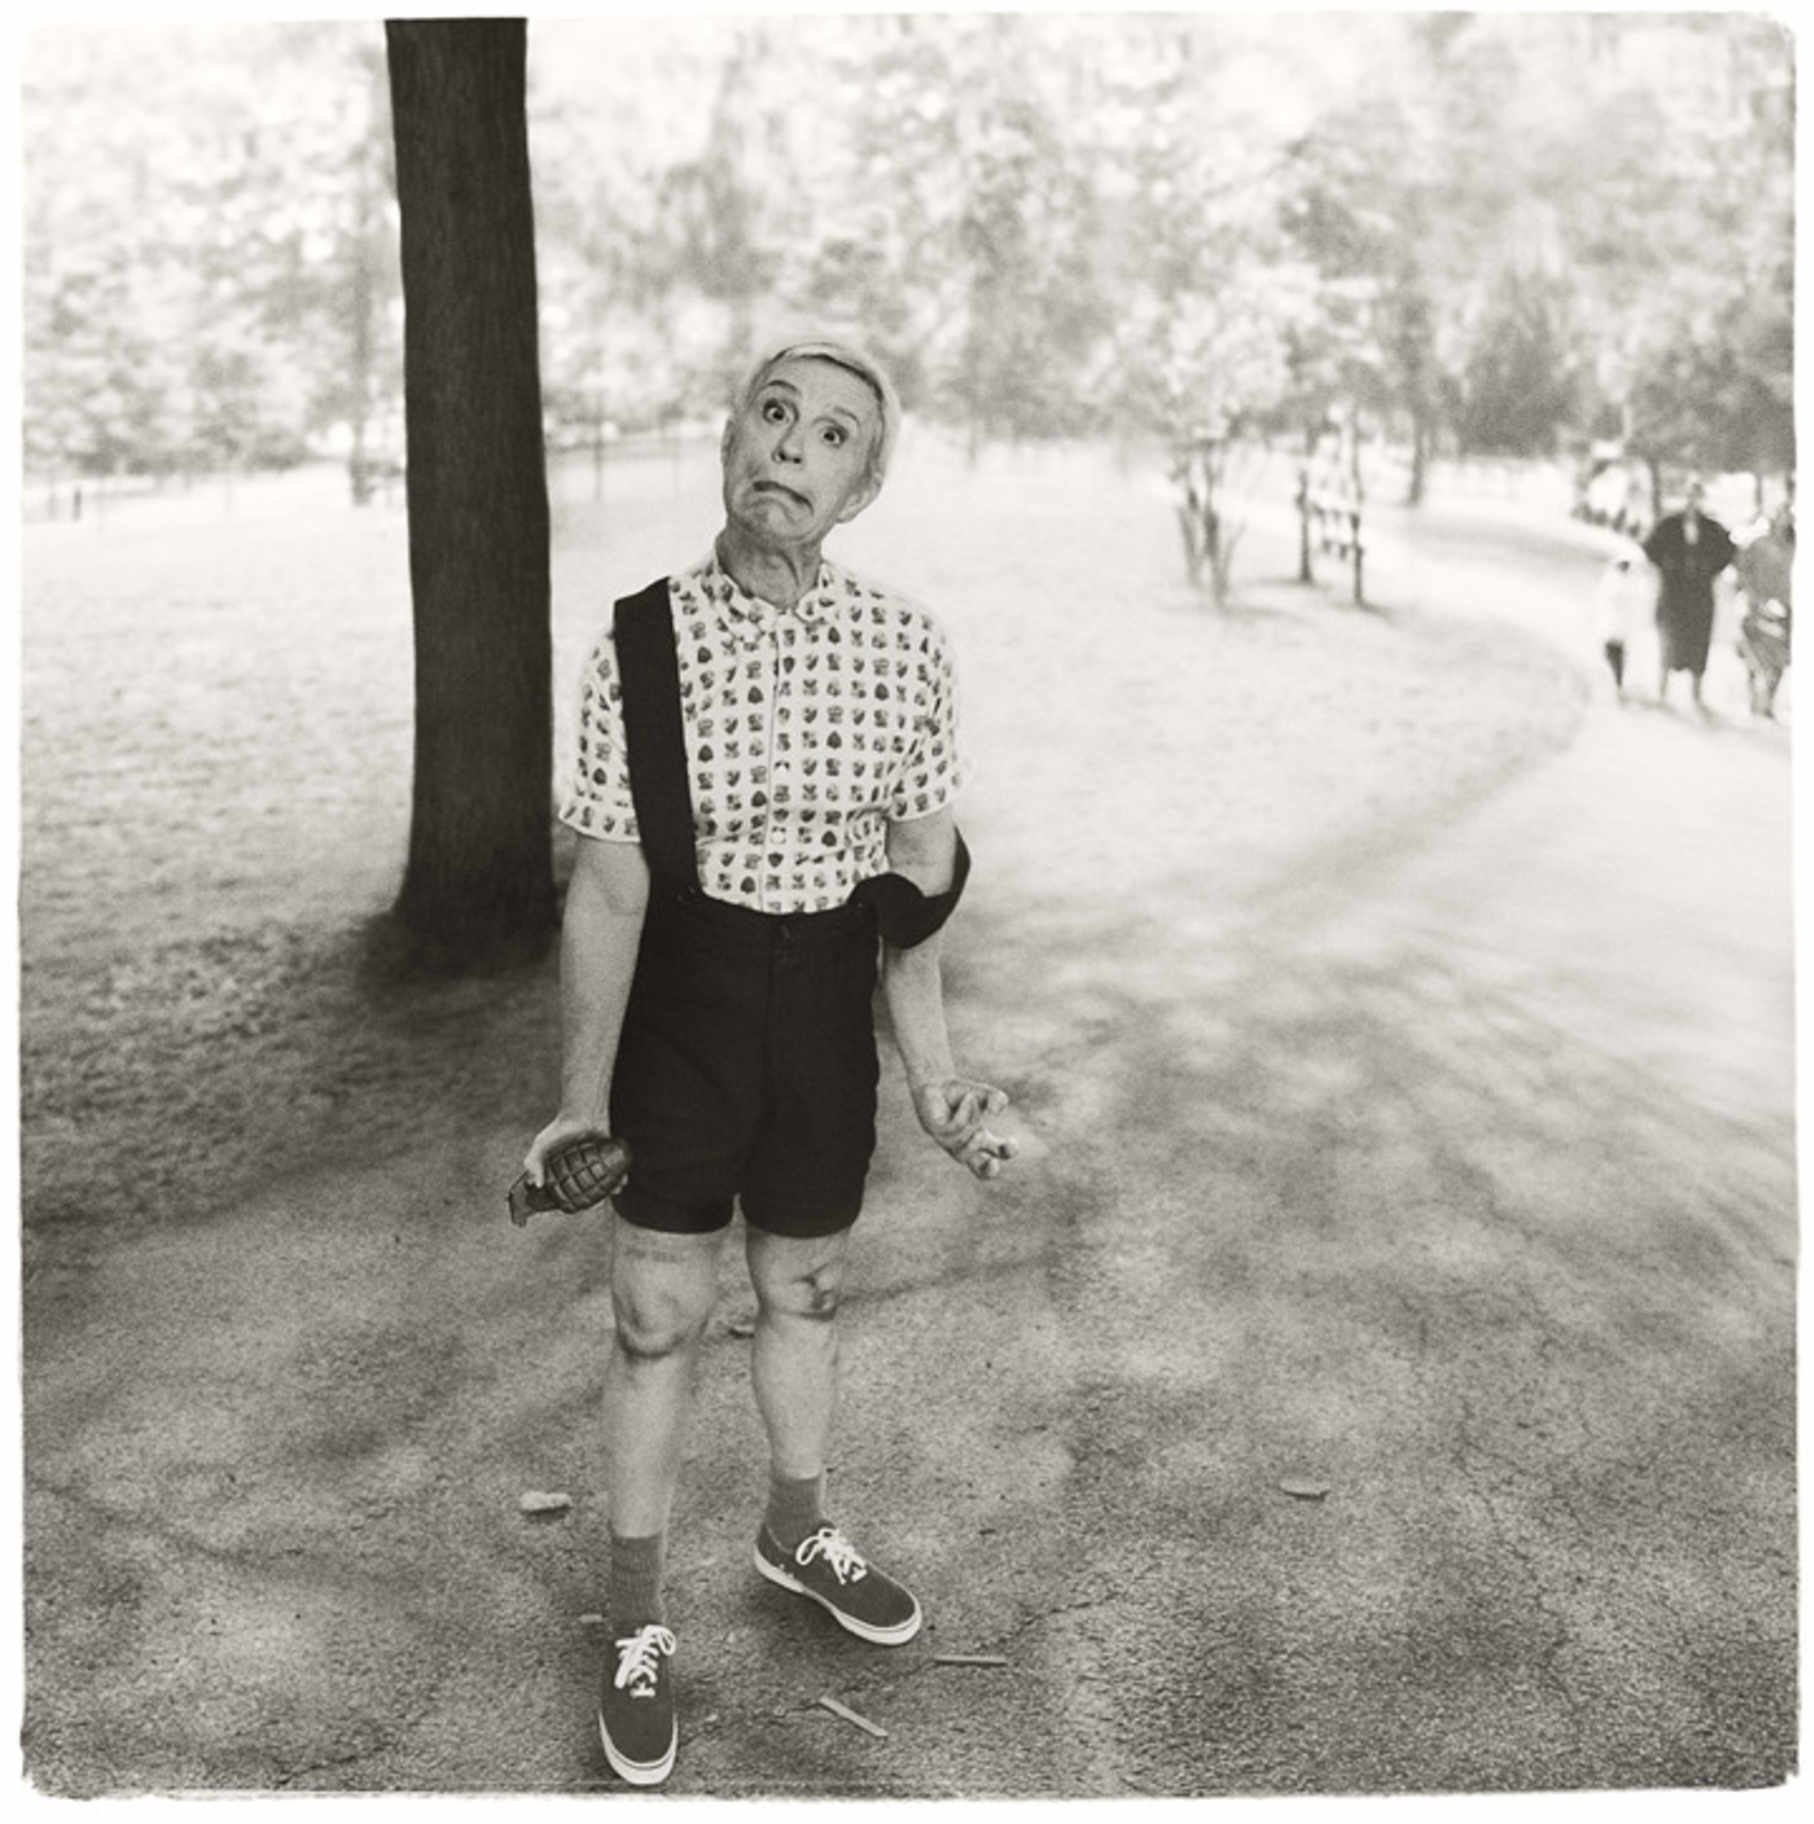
<point>777,574</point>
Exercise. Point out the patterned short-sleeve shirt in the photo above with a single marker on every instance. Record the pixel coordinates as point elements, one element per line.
<point>808,731</point>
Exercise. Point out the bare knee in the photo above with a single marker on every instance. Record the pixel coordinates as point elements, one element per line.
<point>798,1282</point>
<point>661,1298</point>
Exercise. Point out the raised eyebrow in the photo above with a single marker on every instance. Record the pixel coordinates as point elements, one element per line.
<point>836,411</point>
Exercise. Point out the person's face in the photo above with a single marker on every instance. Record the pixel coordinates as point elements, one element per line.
<point>796,458</point>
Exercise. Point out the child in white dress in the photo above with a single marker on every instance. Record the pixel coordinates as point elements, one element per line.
<point>1624,605</point>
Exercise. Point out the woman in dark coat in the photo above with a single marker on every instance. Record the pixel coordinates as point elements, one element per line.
<point>1689,550</point>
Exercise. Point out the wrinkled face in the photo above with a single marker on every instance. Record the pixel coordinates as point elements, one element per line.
<point>796,457</point>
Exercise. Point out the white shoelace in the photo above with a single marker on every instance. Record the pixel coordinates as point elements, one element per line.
<point>638,1655</point>
<point>828,1543</point>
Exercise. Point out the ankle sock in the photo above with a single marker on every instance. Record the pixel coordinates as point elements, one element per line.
<point>796,1508</point>
<point>634,1588</point>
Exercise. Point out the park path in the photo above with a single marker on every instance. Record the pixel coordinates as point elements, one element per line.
<point>1452,1174</point>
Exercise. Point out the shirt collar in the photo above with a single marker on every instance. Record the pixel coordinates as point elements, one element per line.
<point>750,617</point>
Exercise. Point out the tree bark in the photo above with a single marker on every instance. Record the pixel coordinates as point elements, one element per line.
<point>479,882</point>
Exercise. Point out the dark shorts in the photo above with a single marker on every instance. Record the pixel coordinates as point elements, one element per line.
<point>747,1068</point>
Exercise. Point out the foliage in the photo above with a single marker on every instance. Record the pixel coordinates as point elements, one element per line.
<point>210,266</point>
<point>1501,230</point>
<point>1520,382</point>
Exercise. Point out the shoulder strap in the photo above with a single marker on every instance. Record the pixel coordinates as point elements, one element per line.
<point>649,670</point>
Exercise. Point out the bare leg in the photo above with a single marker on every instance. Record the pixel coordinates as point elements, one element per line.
<point>794,1358</point>
<point>662,1290</point>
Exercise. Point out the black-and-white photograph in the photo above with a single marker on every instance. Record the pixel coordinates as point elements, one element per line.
<point>905,905</point>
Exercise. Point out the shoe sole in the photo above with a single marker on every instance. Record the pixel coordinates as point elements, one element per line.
<point>638,1773</point>
<point>898,1635</point>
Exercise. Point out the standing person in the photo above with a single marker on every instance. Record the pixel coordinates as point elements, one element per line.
<point>1621,598</point>
<point>749,821</point>
<point>1689,550</point>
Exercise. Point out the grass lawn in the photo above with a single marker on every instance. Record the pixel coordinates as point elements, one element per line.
<point>215,771</point>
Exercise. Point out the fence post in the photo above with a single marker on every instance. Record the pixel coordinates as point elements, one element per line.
<point>1305,573</point>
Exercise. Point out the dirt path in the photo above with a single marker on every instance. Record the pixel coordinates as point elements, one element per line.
<point>1442,1157</point>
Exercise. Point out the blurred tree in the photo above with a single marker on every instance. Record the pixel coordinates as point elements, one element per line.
<point>210,259</point>
<point>889,195</point>
<point>1207,296</point>
<point>1400,204</point>
<point>1000,203</point>
<point>602,146</point>
<point>349,293</point>
<point>103,311</point>
<point>1520,386</point>
<point>716,211</point>
<point>479,879</point>
<point>1680,228</point>
<point>1031,314</point>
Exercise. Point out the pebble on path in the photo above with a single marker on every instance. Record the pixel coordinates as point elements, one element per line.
<point>535,1501</point>
<point>1303,1488</point>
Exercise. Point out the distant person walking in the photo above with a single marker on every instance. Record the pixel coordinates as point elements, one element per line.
<point>1689,549</point>
<point>763,790</point>
<point>1766,574</point>
<point>1623,598</point>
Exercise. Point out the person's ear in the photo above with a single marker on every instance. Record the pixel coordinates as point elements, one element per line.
<point>866,491</point>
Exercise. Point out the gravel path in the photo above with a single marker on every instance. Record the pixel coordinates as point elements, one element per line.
<point>1401,1039</point>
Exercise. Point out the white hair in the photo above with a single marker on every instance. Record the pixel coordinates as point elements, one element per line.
<point>852,360</point>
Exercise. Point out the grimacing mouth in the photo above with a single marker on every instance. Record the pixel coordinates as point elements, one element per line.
<point>764,484</point>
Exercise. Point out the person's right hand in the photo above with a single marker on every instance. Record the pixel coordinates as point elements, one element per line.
<point>556,1134</point>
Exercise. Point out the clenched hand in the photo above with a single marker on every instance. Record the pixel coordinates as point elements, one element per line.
<point>953,1110</point>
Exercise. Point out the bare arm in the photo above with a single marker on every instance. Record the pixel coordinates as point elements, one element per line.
<point>600,932</point>
<point>950,1107</point>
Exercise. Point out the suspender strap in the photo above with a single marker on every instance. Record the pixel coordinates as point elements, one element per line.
<point>649,671</point>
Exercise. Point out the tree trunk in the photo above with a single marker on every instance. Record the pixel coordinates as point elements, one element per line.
<point>1306,573</point>
<point>479,883</point>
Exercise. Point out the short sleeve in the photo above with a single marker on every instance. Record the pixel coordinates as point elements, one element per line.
<point>930,778</point>
<point>597,801</point>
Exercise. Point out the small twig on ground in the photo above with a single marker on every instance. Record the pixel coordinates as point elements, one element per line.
<point>850,1716</point>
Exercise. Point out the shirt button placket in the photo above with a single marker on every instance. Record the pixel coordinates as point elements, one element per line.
<point>779,635</point>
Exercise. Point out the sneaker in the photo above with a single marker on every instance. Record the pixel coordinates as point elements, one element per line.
<point>829,1569</point>
<point>636,1708</point>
